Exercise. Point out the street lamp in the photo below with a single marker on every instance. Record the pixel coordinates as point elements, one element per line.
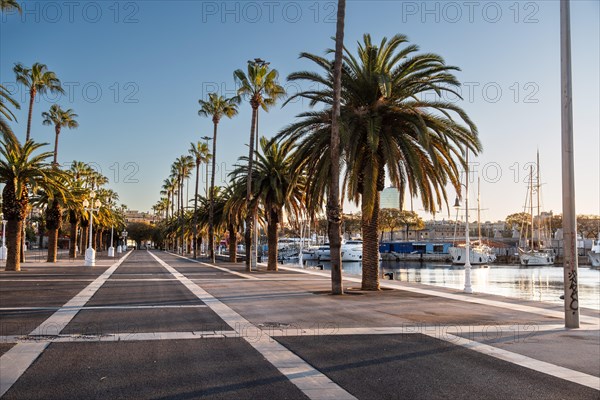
<point>90,253</point>
<point>3,251</point>
<point>124,233</point>
<point>468,288</point>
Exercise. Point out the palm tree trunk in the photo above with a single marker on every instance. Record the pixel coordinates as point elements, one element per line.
<point>334,211</point>
<point>14,229</point>
<point>272,240</point>
<point>196,208</point>
<point>250,214</point>
<point>31,99</point>
<point>232,243</point>
<point>53,222</point>
<point>211,211</point>
<point>52,245</point>
<point>57,130</point>
<point>73,241</point>
<point>370,263</point>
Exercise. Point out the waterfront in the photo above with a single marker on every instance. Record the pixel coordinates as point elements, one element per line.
<point>527,283</point>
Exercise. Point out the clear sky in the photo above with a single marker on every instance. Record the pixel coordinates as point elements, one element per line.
<point>134,71</point>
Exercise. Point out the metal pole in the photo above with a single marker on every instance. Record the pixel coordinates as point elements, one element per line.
<point>3,249</point>
<point>90,253</point>
<point>468,288</point>
<point>568,180</point>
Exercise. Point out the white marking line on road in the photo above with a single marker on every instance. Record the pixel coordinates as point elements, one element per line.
<point>102,307</point>
<point>524,361</point>
<point>120,337</point>
<point>15,362</point>
<point>310,381</point>
<point>463,297</point>
<point>46,280</point>
<point>214,266</point>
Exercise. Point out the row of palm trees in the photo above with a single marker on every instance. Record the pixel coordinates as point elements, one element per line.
<point>390,127</point>
<point>31,179</point>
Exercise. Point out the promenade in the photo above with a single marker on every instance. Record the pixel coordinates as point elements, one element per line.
<point>153,325</point>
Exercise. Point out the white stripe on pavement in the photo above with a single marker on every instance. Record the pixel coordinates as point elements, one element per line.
<point>310,381</point>
<point>15,362</point>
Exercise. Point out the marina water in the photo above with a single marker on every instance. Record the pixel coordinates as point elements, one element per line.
<point>526,283</point>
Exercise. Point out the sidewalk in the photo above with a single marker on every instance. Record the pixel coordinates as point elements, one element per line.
<point>162,326</point>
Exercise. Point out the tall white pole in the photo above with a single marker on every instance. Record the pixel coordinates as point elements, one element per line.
<point>111,249</point>
<point>568,180</point>
<point>468,288</point>
<point>90,253</point>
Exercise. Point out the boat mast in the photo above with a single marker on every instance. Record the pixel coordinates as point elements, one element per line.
<point>479,208</point>
<point>531,204</point>
<point>539,238</point>
<point>468,288</point>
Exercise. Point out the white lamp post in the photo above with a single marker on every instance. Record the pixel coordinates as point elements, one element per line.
<point>124,240</point>
<point>3,248</point>
<point>468,288</point>
<point>90,253</point>
<point>111,249</point>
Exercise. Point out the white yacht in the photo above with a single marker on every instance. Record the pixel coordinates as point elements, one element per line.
<point>351,251</point>
<point>594,254</point>
<point>479,253</point>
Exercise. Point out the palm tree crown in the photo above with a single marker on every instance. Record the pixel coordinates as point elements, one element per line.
<point>39,80</point>
<point>59,118</point>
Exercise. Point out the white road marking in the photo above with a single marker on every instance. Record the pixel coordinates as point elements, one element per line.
<point>461,297</point>
<point>524,361</point>
<point>15,362</point>
<point>214,266</point>
<point>312,382</point>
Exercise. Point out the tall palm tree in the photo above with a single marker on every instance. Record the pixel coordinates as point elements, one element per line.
<point>23,170</point>
<point>180,170</point>
<point>5,112</point>
<point>278,185</point>
<point>39,81</point>
<point>216,107</point>
<point>334,209</point>
<point>60,119</point>
<point>387,124</point>
<point>261,86</point>
<point>200,153</point>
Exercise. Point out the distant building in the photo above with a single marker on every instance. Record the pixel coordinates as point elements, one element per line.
<point>390,198</point>
<point>140,216</point>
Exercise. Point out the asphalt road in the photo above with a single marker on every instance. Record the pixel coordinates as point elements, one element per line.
<point>143,297</point>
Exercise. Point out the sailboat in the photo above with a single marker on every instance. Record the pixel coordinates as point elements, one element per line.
<point>479,253</point>
<point>533,251</point>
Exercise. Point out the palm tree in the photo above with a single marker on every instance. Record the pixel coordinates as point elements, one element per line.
<point>5,112</point>
<point>216,107</point>
<point>59,118</point>
<point>181,170</point>
<point>277,184</point>
<point>23,171</point>
<point>234,211</point>
<point>263,90</point>
<point>9,5</point>
<point>39,80</point>
<point>334,209</point>
<point>200,153</point>
<point>386,124</point>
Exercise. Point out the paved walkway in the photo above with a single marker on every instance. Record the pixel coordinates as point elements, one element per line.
<point>156,325</point>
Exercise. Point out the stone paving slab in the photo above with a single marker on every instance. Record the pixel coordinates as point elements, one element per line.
<point>25,294</point>
<point>118,292</point>
<point>145,320</point>
<point>418,367</point>
<point>176,369</point>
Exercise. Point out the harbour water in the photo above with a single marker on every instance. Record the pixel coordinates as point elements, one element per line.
<point>527,283</point>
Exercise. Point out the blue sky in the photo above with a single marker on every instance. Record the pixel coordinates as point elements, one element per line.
<point>134,72</point>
